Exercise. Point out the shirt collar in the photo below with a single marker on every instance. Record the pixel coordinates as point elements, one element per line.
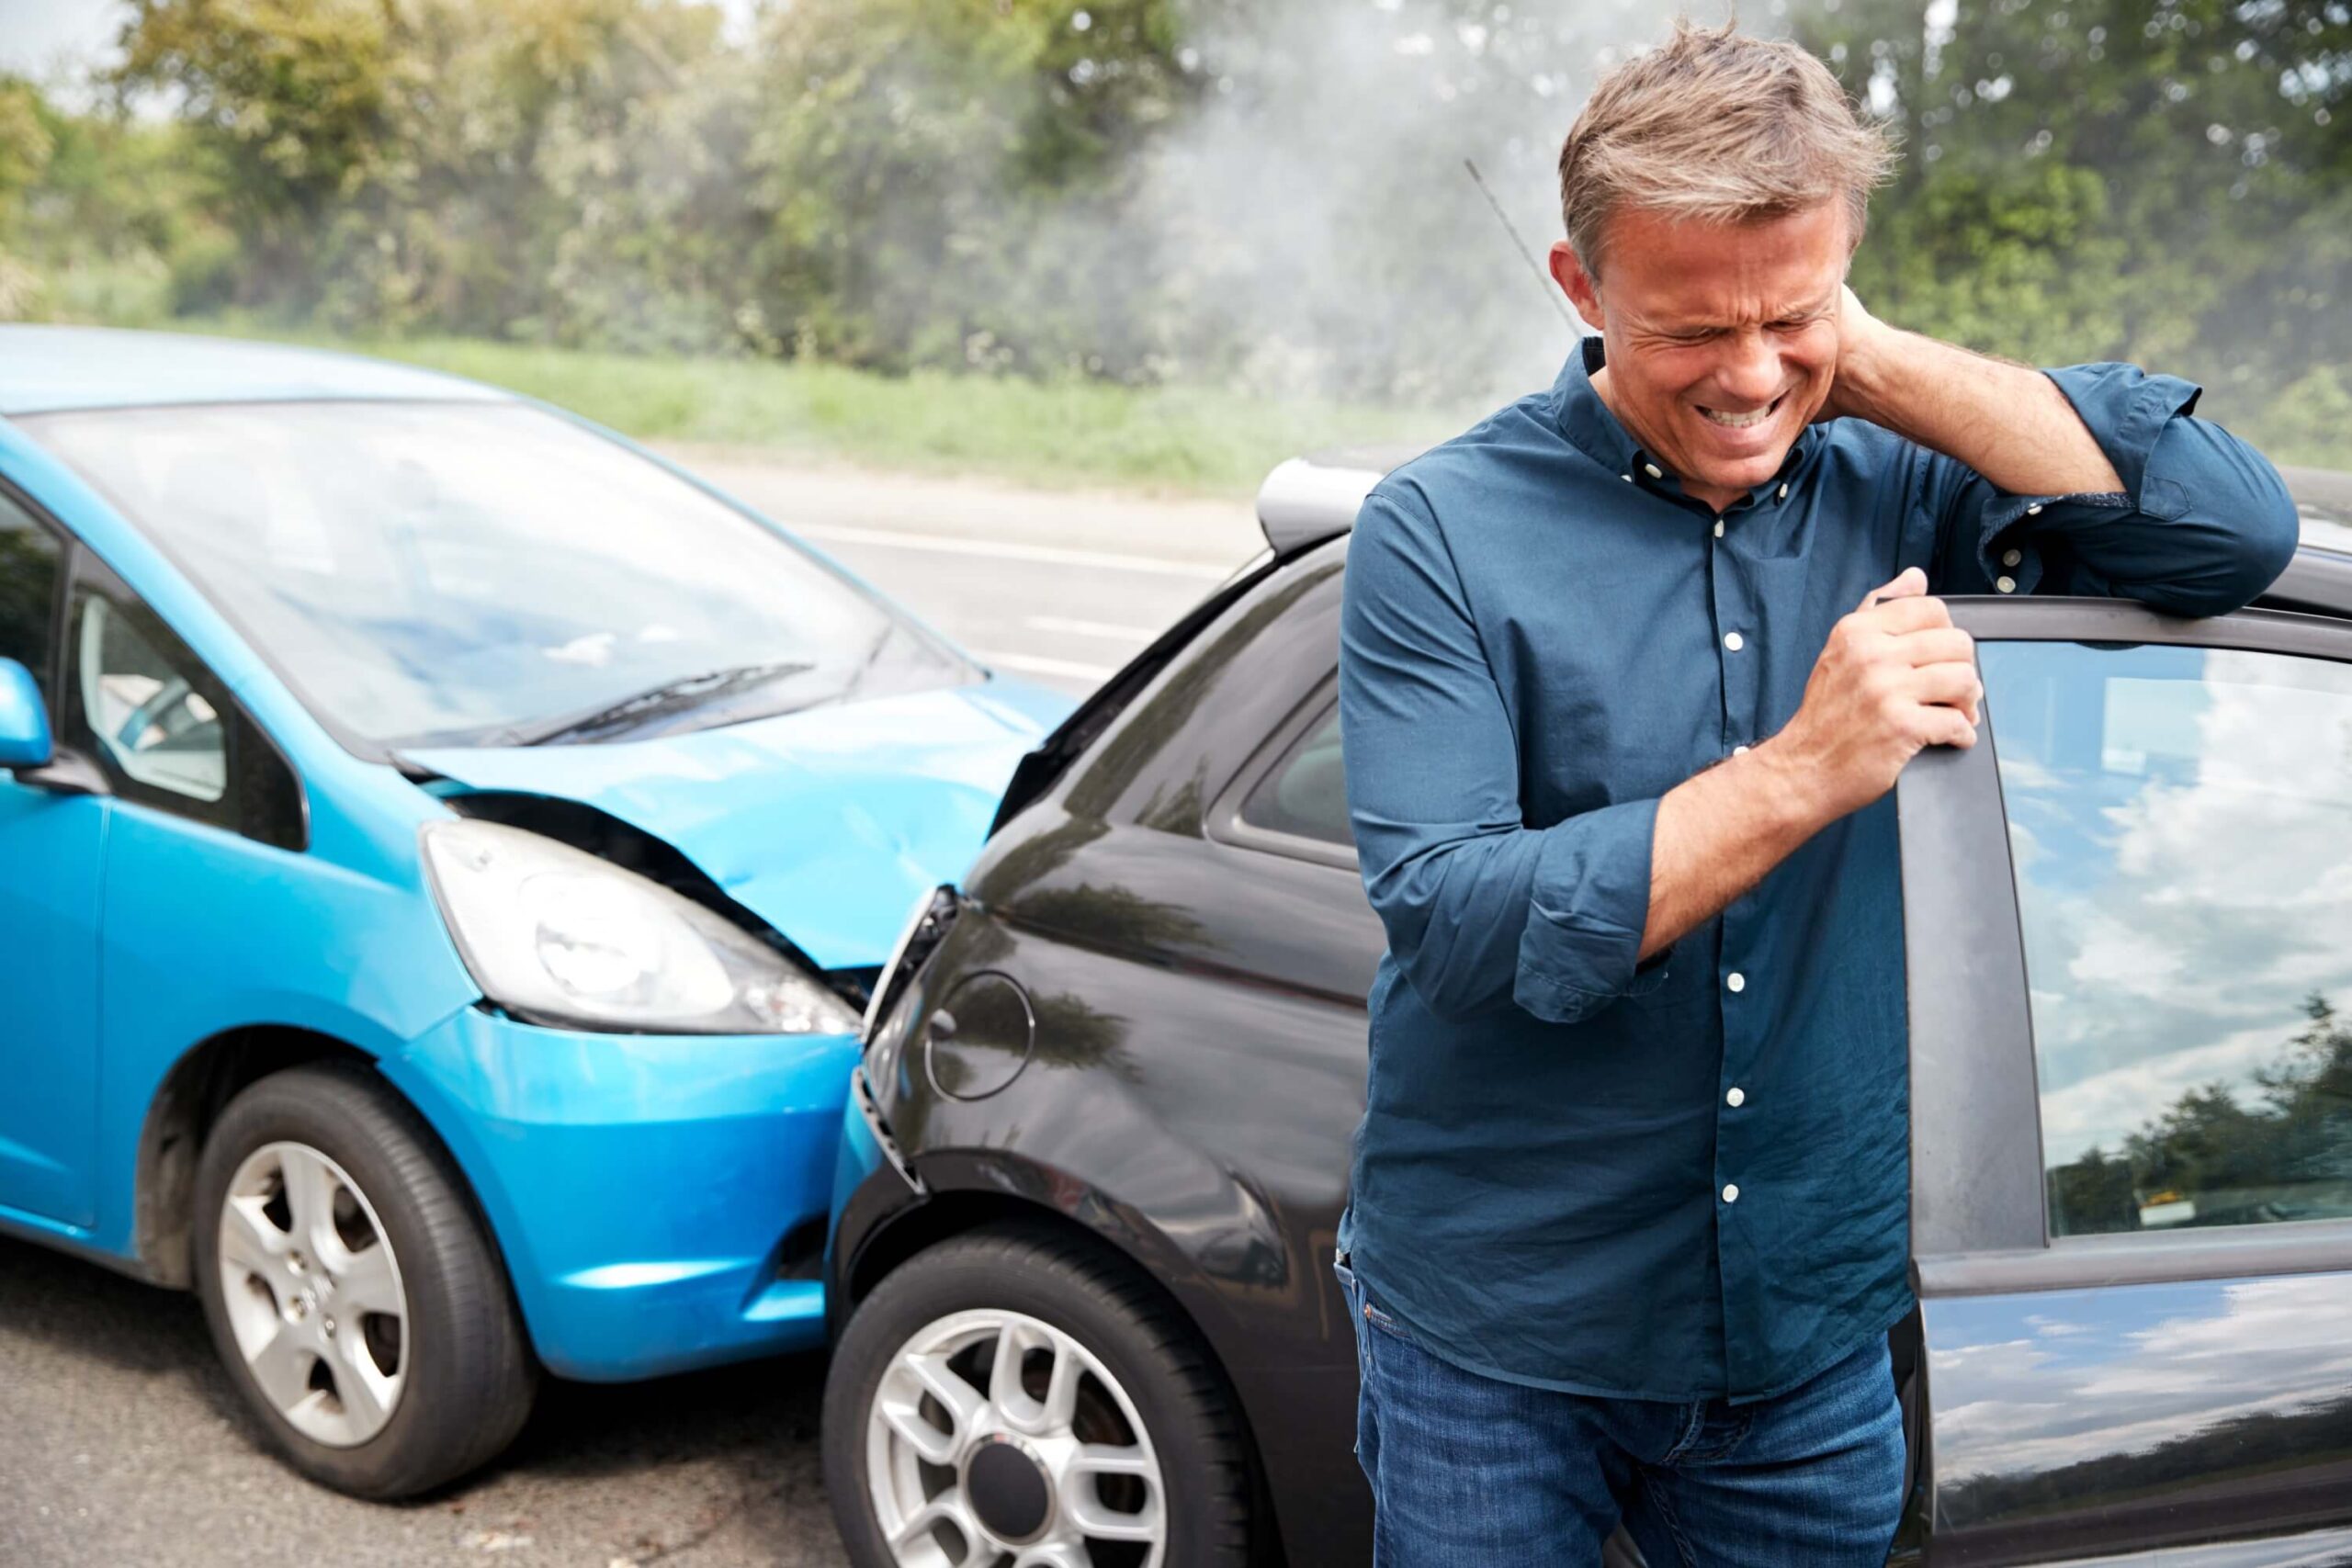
<point>1593,430</point>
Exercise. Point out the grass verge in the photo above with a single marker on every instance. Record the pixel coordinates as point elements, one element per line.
<point>1054,433</point>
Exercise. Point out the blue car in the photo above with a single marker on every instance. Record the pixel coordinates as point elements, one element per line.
<point>444,854</point>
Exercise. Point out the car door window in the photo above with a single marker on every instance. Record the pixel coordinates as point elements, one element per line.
<point>2180,824</point>
<point>143,709</point>
<point>29,558</point>
<point>162,726</point>
<point>1305,793</point>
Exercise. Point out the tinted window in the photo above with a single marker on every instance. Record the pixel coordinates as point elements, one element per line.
<point>469,573</point>
<point>2180,823</point>
<point>28,589</point>
<point>1306,794</point>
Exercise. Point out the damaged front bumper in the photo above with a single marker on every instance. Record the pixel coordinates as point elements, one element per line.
<point>661,1200</point>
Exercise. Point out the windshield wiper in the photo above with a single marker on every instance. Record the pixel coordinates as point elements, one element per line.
<point>657,701</point>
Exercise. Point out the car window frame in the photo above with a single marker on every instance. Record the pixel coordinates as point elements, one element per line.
<point>60,592</point>
<point>1979,1193</point>
<point>238,810</point>
<point>1224,820</point>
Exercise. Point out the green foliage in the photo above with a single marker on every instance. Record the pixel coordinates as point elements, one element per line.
<point>948,174</point>
<point>2112,180</point>
<point>1060,431</point>
<point>2310,421</point>
<point>1148,191</point>
<point>97,212</point>
<point>548,168</point>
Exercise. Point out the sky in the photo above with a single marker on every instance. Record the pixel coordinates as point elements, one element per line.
<point>37,36</point>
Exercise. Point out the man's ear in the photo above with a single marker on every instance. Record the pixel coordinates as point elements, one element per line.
<point>1576,283</point>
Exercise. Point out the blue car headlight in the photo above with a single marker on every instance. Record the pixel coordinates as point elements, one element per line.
<point>556,936</point>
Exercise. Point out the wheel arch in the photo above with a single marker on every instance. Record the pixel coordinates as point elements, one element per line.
<point>949,1213</point>
<point>181,1114</point>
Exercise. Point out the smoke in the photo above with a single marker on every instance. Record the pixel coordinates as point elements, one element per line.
<point>1316,213</point>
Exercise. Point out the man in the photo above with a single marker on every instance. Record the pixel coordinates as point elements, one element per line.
<point>1627,672</point>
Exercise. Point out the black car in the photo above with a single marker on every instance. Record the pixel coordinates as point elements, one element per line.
<point>1081,1279</point>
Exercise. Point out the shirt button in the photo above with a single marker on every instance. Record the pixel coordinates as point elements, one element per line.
<point>1738,750</point>
<point>1736,981</point>
<point>1653,470</point>
<point>1737,1097</point>
<point>1628,477</point>
<point>1732,642</point>
<point>1731,1192</point>
<point>2011,557</point>
<point>2006,584</point>
<point>2033,510</point>
<point>1719,527</point>
<point>1784,492</point>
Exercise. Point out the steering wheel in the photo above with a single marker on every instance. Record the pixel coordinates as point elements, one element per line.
<point>172,692</point>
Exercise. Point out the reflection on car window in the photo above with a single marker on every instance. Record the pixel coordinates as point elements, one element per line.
<point>143,712</point>
<point>2180,822</point>
<point>28,589</point>
<point>1308,794</point>
<point>461,573</point>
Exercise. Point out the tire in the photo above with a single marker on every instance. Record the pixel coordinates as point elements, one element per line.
<point>448,1377</point>
<point>1033,1285</point>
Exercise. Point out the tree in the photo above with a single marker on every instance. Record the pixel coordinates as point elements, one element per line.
<point>2170,183</point>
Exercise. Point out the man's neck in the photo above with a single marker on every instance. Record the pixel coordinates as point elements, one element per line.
<point>1719,500</point>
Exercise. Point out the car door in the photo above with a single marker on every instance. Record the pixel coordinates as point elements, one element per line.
<point>205,899</point>
<point>50,842</point>
<point>2127,916</point>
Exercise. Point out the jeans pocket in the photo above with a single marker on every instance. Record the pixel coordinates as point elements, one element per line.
<point>1352,1292</point>
<point>1364,1309</point>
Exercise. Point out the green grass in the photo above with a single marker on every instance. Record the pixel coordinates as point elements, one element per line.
<point>1068,434</point>
<point>1059,434</point>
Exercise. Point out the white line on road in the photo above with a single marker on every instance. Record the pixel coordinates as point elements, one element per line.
<point>1089,629</point>
<point>1036,666</point>
<point>949,544</point>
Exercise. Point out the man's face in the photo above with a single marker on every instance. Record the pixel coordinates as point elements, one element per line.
<point>1721,338</point>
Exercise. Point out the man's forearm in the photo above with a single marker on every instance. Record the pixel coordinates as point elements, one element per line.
<point>1718,833</point>
<point>2008,423</point>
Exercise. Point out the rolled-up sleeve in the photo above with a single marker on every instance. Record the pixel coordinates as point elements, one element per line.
<point>1481,910</point>
<point>2202,524</point>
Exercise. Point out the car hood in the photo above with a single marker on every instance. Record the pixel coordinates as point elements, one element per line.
<point>825,823</point>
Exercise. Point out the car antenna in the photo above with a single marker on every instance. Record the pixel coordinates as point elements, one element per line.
<point>1541,281</point>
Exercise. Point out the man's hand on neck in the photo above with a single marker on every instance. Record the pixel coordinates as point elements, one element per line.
<point>2008,421</point>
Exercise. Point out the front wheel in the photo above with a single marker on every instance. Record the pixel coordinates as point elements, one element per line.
<point>360,1307</point>
<point>1017,1400</point>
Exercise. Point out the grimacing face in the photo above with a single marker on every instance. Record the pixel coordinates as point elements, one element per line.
<point>1721,338</point>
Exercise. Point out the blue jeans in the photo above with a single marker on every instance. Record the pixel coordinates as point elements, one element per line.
<point>1468,1471</point>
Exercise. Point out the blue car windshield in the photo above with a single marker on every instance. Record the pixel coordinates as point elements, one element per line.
<point>479,573</point>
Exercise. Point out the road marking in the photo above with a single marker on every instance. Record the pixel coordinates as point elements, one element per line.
<point>1036,666</point>
<point>1089,629</point>
<point>950,545</point>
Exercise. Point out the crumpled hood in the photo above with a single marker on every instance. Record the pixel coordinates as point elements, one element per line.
<point>825,823</point>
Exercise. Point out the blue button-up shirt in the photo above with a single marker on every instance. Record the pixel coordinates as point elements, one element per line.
<point>1686,1176</point>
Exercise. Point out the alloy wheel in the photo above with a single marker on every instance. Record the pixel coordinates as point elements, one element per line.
<point>313,1294</point>
<point>996,1440</point>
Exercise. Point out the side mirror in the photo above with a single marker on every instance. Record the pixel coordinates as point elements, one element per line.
<point>25,741</point>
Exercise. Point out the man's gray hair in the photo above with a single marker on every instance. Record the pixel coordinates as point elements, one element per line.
<point>1717,127</point>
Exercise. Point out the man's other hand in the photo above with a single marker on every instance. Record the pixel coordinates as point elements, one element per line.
<point>1895,676</point>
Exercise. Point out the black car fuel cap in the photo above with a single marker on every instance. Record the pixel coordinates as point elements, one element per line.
<point>983,1040</point>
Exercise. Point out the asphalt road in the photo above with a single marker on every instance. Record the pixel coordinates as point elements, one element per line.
<point>1060,588</point>
<point>121,1442</point>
